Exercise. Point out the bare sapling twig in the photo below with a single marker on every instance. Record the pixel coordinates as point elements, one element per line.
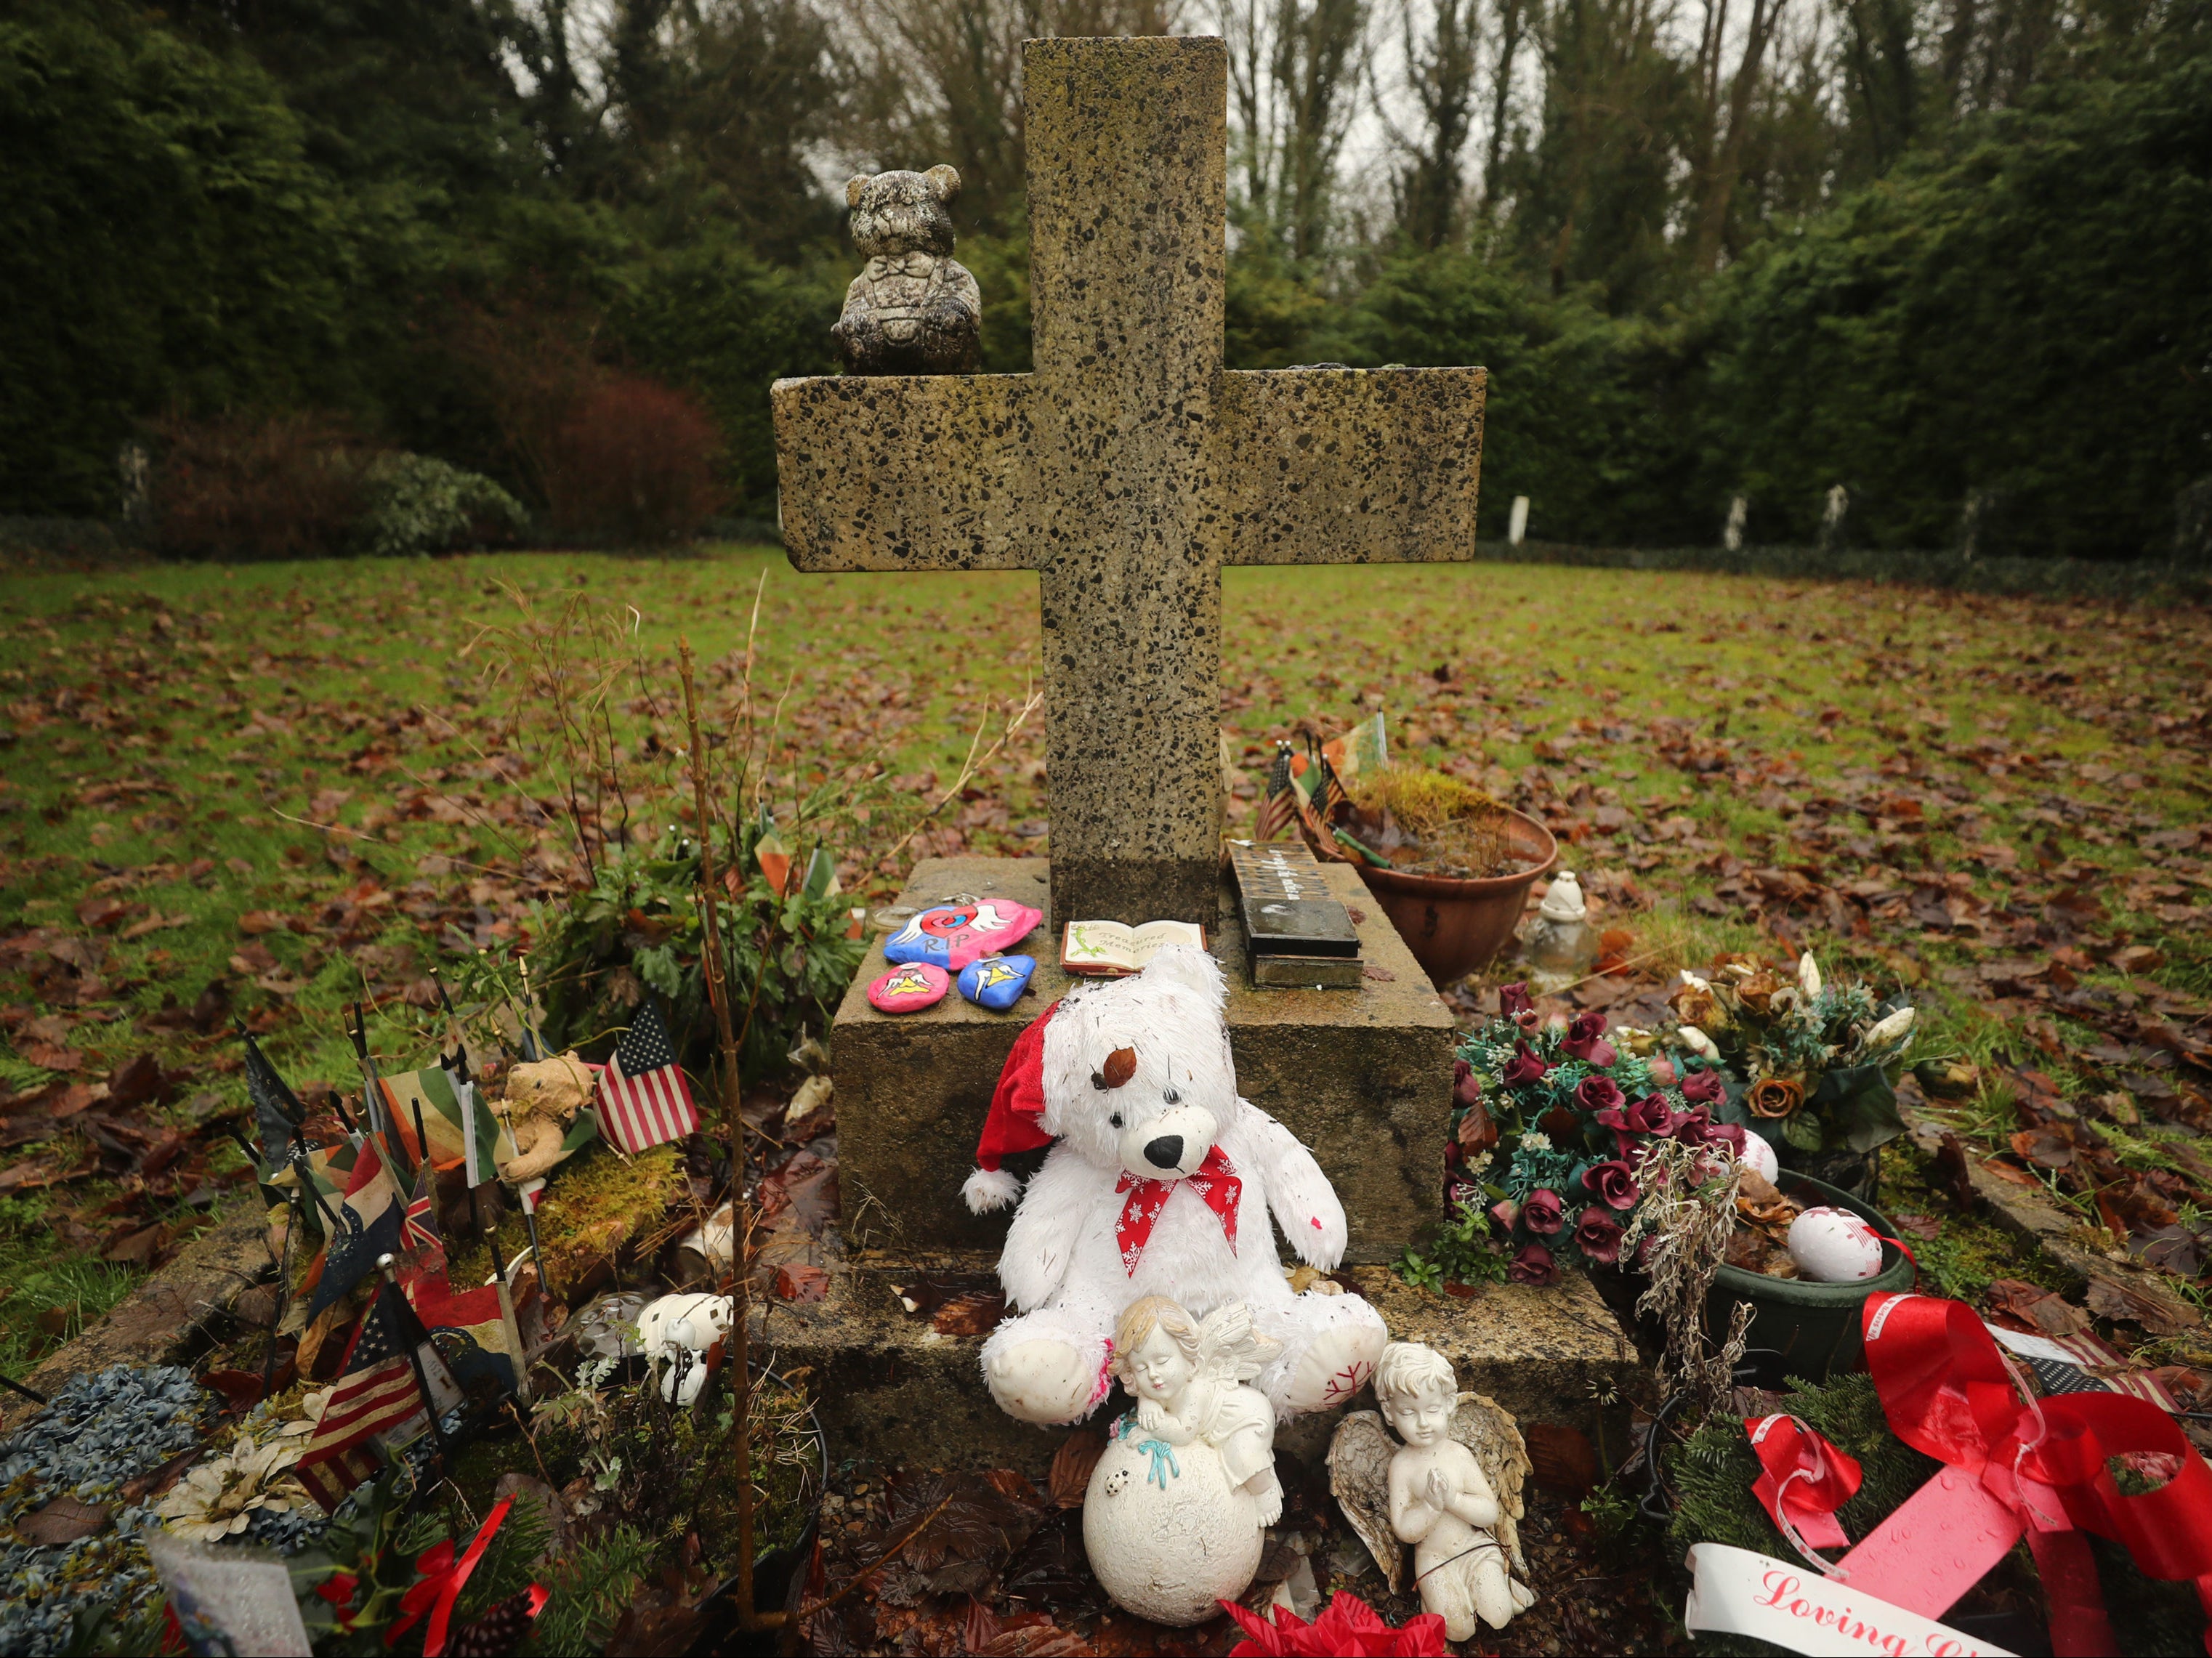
<point>733,1117</point>
<point>970,766</point>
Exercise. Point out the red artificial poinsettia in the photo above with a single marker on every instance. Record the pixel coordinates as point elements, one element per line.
<point>1347,1626</point>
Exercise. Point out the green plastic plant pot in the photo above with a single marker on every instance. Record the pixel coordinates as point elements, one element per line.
<point>1813,1327</point>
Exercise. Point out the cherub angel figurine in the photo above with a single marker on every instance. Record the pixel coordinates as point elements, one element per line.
<point>1452,1489</point>
<point>1177,1503</point>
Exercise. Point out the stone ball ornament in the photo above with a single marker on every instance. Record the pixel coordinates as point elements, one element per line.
<point>1176,1516</point>
<point>914,309</point>
<point>1834,1246</point>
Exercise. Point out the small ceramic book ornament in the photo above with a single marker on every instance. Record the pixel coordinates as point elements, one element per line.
<point>997,981</point>
<point>1451,1488</point>
<point>950,935</point>
<point>1110,949</point>
<point>909,988</point>
<point>1178,1502</point>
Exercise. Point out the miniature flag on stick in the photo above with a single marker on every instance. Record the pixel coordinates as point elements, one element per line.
<point>434,1092</point>
<point>369,1225</point>
<point>376,1397</point>
<point>277,1113</point>
<point>644,1100</point>
<point>1278,806</point>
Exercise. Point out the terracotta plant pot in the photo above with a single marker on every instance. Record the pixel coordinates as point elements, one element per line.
<point>1452,927</point>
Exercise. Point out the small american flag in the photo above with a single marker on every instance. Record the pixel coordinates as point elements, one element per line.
<point>643,1098</point>
<point>1278,805</point>
<point>376,1394</point>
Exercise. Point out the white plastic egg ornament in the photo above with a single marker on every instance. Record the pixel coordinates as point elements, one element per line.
<point>1834,1246</point>
<point>1758,1156</point>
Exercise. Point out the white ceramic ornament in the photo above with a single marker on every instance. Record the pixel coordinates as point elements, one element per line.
<point>676,1332</point>
<point>1179,1504</point>
<point>1451,1487</point>
<point>1834,1246</point>
<point>1758,1156</point>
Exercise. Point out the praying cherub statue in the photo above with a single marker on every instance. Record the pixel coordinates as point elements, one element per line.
<point>1451,1488</point>
<point>1177,1503</point>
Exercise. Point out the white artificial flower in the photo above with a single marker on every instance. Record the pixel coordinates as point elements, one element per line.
<point>1891,1031</point>
<point>217,1499</point>
<point>1808,975</point>
<point>1698,1042</point>
<point>1694,981</point>
<point>1535,1140</point>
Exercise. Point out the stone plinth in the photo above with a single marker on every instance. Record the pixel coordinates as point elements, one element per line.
<point>891,1388</point>
<point>1362,1077</point>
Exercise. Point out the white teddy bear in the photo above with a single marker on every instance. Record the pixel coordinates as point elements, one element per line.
<point>1160,1183</point>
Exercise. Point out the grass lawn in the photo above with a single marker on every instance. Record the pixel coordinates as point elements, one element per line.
<point>264,791</point>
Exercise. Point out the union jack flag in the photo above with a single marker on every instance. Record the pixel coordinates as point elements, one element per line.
<point>643,1099</point>
<point>420,1241</point>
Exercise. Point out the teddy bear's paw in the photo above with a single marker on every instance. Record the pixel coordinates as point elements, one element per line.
<point>990,1189</point>
<point>1041,1381</point>
<point>1336,1366</point>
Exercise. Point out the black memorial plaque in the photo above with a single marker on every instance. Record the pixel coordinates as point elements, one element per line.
<point>1287,906</point>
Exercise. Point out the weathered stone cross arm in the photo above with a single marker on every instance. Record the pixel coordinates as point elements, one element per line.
<point>1130,465</point>
<point>1308,466</point>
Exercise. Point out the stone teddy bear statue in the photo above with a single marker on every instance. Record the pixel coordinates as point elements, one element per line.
<point>914,309</point>
<point>1160,1183</point>
<point>543,1097</point>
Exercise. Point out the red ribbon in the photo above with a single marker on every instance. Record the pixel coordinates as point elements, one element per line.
<point>1215,1181</point>
<point>1949,1393</point>
<point>1807,1481</point>
<point>443,1579</point>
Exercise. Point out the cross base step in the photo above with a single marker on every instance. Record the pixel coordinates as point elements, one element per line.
<point>892,1389</point>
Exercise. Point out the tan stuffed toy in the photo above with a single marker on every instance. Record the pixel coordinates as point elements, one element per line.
<point>543,1099</point>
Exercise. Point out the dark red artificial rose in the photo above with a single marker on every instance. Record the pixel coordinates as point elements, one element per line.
<point>1585,1041</point>
<point>1466,1087</point>
<point>1612,1183</point>
<point>1729,1134</point>
<point>1598,1236</point>
<point>1543,1214</point>
<point>1513,1000</point>
<point>1703,1088</point>
<point>1503,1213</point>
<point>1532,1264</point>
<point>1523,1067</point>
<point>1598,1094</point>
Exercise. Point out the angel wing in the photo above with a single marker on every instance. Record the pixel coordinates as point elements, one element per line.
<point>1359,1453</point>
<point>1228,1349</point>
<point>1488,1429</point>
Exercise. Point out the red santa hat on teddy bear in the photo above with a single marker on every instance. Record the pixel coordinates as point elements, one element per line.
<point>1015,1122</point>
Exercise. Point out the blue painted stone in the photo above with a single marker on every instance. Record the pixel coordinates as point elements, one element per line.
<point>996,982</point>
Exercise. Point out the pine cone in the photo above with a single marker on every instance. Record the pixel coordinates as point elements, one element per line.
<point>500,1628</point>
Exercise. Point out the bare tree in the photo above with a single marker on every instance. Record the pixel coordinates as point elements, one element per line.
<point>1319,59</point>
<point>1512,24</point>
<point>1440,62</point>
<point>1719,162</point>
<point>940,81</point>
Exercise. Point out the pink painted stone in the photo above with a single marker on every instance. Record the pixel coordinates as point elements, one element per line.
<point>909,988</point>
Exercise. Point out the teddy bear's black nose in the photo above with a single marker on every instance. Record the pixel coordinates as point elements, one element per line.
<point>1165,1152</point>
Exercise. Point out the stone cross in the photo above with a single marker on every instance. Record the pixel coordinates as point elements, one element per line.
<point>1129,467</point>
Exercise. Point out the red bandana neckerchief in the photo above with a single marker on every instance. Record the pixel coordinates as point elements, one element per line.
<point>1215,1181</point>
